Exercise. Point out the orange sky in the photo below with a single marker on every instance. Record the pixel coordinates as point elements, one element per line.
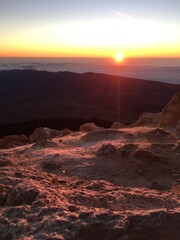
<point>25,34</point>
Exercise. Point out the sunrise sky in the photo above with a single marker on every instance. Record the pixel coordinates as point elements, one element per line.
<point>89,28</point>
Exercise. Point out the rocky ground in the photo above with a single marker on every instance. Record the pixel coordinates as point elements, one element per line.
<point>104,184</point>
<point>120,183</point>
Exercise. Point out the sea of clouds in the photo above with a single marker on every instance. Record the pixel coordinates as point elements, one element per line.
<point>164,70</point>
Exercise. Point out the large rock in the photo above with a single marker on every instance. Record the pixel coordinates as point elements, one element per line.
<point>44,144</point>
<point>160,225</point>
<point>128,149</point>
<point>16,138</point>
<point>88,127</point>
<point>98,135</point>
<point>118,125</point>
<point>23,193</point>
<point>65,132</point>
<point>148,119</point>
<point>149,157</point>
<point>108,150</point>
<point>13,140</point>
<point>43,133</point>
<point>159,135</point>
<point>171,112</point>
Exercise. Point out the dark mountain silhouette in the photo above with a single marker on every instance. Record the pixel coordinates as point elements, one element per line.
<point>27,95</point>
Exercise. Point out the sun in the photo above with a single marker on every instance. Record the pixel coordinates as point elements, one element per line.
<point>119,57</point>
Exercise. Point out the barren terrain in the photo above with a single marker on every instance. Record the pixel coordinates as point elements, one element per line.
<point>101,184</point>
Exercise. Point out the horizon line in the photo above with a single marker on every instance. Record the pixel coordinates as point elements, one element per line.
<point>108,57</point>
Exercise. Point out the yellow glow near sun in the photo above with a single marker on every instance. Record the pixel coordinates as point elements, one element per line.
<point>119,57</point>
<point>98,38</point>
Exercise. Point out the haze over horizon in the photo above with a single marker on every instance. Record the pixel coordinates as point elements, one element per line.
<point>89,29</point>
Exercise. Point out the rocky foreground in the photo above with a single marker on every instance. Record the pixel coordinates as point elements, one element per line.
<point>120,183</point>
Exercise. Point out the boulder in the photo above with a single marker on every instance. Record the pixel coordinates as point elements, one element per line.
<point>117,125</point>
<point>65,132</point>
<point>107,150</point>
<point>98,135</point>
<point>148,119</point>
<point>10,141</point>
<point>159,134</point>
<point>128,149</point>
<point>44,144</point>
<point>43,133</point>
<point>171,112</point>
<point>16,138</point>
<point>51,166</point>
<point>88,127</point>
<point>160,224</point>
<point>149,157</point>
<point>23,193</point>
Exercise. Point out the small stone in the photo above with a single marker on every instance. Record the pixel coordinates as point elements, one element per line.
<point>4,162</point>
<point>73,208</point>
<point>178,126</point>
<point>4,190</point>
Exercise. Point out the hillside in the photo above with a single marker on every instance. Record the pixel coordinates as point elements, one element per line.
<point>27,95</point>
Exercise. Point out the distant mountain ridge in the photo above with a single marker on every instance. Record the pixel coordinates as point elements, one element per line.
<point>27,95</point>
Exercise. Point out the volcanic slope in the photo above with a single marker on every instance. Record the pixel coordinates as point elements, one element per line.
<point>102,184</point>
